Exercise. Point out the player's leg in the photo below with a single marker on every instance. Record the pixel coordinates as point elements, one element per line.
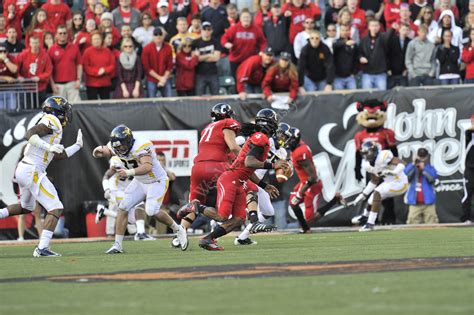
<point>38,220</point>
<point>298,212</point>
<point>137,217</point>
<point>25,175</point>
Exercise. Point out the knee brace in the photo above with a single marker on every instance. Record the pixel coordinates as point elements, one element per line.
<point>252,197</point>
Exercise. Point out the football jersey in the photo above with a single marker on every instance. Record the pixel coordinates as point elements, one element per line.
<point>301,153</point>
<point>384,137</point>
<point>382,162</point>
<point>132,160</point>
<point>274,155</point>
<point>257,139</point>
<point>117,183</point>
<point>212,146</point>
<point>40,157</point>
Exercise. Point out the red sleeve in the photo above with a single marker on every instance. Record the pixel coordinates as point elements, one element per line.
<point>285,7</point>
<point>467,54</point>
<point>302,154</point>
<point>315,11</point>
<point>267,81</point>
<point>294,85</point>
<point>145,61</point>
<point>110,68</point>
<point>228,36</point>
<point>389,16</point>
<point>88,69</point>
<point>78,56</point>
<point>259,139</point>
<point>186,64</point>
<point>232,125</point>
<point>243,74</point>
<point>390,138</point>
<point>169,61</point>
<point>48,70</point>
<point>68,13</point>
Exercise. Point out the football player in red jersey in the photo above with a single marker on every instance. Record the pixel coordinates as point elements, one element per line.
<point>231,196</point>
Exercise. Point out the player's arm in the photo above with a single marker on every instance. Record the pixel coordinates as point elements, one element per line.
<point>369,188</point>
<point>102,151</point>
<point>229,138</point>
<point>34,134</point>
<point>105,182</point>
<point>72,149</point>
<point>270,189</point>
<point>252,161</point>
<point>145,166</point>
<point>40,130</point>
<point>399,167</point>
<point>308,167</point>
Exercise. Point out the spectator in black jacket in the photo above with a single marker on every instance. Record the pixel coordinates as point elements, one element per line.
<point>397,47</point>
<point>315,65</point>
<point>346,54</point>
<point>276,30</point>
<point>448,58</point>
<point>332,12</point>
<point>167,19</point>
<point>373,57</point>
<point>216,14</point>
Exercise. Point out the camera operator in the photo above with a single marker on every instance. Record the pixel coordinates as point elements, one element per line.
<point>421,195</point>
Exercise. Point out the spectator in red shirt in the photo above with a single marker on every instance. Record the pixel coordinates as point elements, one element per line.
<point>243,40</point>
<point>83,38</point>
<point>251,73</point>
<point>96,13</point>
<point>186,62</point>
<point>468,58</point>
<point>77,24</point>
<point>8,70</point>
<point>14,18</point>
<point>391,12</point>
<point>65,55</point>
<point>157,60</point>
<point>99,66</point>
<point>107,26</point>
<point>125,14</point>
<point>405,19</point>
<point>345,18</point>
<point>281,77</point>
<point>263,13</point>
<point>58,14</point>
<point>3,29</point>
<point>358,15</point>
<point>39,25</point>
<point>298,11</point>
<point>130,72</point>
<point>34,64</point>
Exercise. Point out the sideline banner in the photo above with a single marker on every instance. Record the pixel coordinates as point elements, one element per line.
<point>433,118</point>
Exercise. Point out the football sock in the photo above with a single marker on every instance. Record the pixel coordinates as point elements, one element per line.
<point>4,213</point>
<point>299,215</point>
<point>119,239</point>
<point>140,226</point>
<point>322,210</point>
<point>253,216</point>
<point>372,217</point>
<point>174,227</point>
<point>110,213</point>
<point>201,208</point>
<point>218,232</point>
<point>365,213</point>
<point>46,236</point>
<point>245,233</point>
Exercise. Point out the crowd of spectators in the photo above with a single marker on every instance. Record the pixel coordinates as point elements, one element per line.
<point>137,48</point>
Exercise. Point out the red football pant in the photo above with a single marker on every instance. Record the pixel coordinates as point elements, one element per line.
<point>204,176</point>
<point>231,196</point>
<point>310,198</point>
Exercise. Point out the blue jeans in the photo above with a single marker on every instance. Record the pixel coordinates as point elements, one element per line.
<point>450,81</point>
<point>203,81</point>
<point>165,91</point>
<point>348,83</point>
<point>422,80</point>
<point>311,86</point>
<point>397,80</point>
<point>253,89</point>
<point>374,81</point>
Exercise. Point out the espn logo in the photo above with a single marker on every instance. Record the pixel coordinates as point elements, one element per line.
<point>178,149</point>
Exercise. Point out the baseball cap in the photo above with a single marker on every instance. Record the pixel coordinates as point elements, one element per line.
<point>206,24</point>
<point>276,5</point>
<point>158,31</point>
<point>162,4</point>
<point>285,55</point>
<point>268,51</point>
<point>107,16</point>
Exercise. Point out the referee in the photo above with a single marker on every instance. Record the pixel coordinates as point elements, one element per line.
<point>468,175</point>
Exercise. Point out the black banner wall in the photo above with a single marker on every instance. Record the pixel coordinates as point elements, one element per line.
<point>433,118</point>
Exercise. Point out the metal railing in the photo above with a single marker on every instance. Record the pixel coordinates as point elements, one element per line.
<point>18,94</point>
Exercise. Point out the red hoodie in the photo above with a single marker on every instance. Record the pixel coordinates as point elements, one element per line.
<point>358,20</point>
<point>274,81</point>
<point>468,59</point>
<point>391,13</point>
<point>159,61</point>
<point>251,72</point>
<point>299,15</point>
<point>35,65</point>
<point>58,14</point>
<point>92,60</point>
<point>246,41</point>
<point>185,70</point>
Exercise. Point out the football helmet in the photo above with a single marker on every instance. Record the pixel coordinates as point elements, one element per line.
<point>282,134</point>
<point>121,139</point>
<point>221,111</point>
<point>369,150</point>
<point>267,121</point>
<point>294,139</point>
<point>60,107</point>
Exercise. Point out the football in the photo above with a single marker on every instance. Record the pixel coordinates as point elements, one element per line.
<point>284,173</point>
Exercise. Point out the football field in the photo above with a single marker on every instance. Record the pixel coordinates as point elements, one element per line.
<point>407,271</point>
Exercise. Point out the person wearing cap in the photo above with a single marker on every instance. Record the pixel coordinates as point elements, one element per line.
<point>216,14</point>
<point>281,77</point>
<point>65,55</point>
<point>298,11</point>
<point>421,194</point>
<point>316,65</point>
<point>124,14</point>
<point>157,60</point>
<point>243,40</point>
<point>8,72</point>
<point>59,13</point>
<point>107,26</point>
<point>275,30</point>
<point>302,37</point>
<point>468,175</point>
<point>167,19</point>
<point>252,71</point>
<point>209,53</point>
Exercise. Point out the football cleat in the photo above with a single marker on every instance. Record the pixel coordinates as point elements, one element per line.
<point>359,219</point>
<point>115,249</point>
<point>258,227</point>
<point>182,237</point>
<point>308,231</point>
<point>367,228</point>
<point>208,244</point>
<point>100,213</point>
<point>45,252</point>
<point>175,242</point>
<point>143,237</point>
<point>246,241</point>
<point>191,207</point>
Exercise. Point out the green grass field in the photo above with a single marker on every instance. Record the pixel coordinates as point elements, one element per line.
<point>436,291</point>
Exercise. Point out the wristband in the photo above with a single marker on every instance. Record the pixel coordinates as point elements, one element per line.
<point>262,184</point>
<point>130,172</point>
<point>72,149</point>
<point>268,165</point>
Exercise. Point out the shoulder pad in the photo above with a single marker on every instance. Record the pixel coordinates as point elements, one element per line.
<point>51,121</point>
<point>231,124</point>
<point>259,139</point>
